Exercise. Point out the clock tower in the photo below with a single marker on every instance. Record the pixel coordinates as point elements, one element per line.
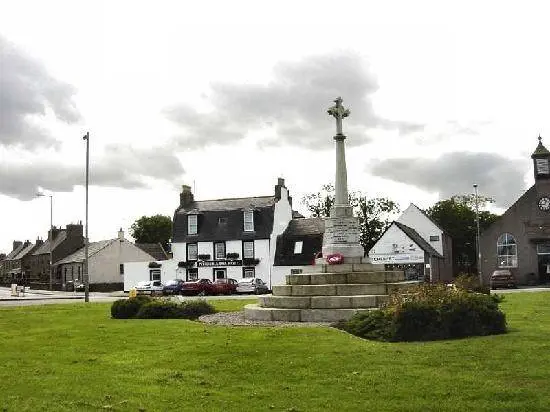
<point>541,169</point>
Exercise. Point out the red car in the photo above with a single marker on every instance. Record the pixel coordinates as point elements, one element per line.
<point>197,287</point>
<point>224,287</point>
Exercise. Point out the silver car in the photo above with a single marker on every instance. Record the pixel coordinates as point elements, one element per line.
<point>252,285</point>
<point>149,287</point>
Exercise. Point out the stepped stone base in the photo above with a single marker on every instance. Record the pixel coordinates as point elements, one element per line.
<point>328,293</point>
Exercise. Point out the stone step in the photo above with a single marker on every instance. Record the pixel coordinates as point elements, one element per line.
<point>344,267</point>
<point>350,289</point>
<point>346,277</point>
<point>256,312</point>
<point>322,302</point>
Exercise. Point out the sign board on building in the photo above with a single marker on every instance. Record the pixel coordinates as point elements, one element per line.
<point>221,262</point>
<point>398,258</point>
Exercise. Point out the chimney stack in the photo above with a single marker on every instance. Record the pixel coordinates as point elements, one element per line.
<point>16,244</point>
<point>278,186</point>
<point>186,197</point>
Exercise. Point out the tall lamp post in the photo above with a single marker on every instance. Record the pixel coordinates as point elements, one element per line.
<point>478,248</point>
<point>86,275</point>
<point>50,234</point>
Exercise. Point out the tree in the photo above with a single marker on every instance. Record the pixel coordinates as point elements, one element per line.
<point>375,215</point>
<point>458,219</point>
<point>153,229</point>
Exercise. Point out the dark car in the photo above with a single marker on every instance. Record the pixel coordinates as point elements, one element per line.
<point>503,279</point>
<point>173,287</point>
<point>197,287</point>
<point>224,287</point>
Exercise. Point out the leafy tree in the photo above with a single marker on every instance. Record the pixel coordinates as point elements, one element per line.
<point>458,219</point>
<point>153,229</point>
<point>375,215</point>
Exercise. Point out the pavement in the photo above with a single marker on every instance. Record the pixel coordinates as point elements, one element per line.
<point>38,294</point>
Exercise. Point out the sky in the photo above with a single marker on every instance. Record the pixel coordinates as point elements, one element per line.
<point>228,96</point>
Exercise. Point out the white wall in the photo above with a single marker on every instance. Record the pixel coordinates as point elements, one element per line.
<point>281,217</point>
<point>104,266</point>
<point>135,272</point>
<point>396,247</point>
<point>414,218</point>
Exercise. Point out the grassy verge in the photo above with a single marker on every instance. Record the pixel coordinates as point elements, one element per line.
<point>74,357</point>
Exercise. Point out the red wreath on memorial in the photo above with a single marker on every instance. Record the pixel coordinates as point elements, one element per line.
<point>335,259</point>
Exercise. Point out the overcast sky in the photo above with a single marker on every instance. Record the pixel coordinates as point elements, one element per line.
<point>228,96</point>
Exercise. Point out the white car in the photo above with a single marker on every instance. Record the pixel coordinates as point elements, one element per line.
<point>149,287</point>
<point>252,285</point>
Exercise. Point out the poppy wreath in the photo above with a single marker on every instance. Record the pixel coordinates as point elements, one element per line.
<point>335,259</point>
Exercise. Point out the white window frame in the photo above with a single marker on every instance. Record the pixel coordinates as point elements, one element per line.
<point>507,251</point>
<point>189,256</point>
<point>216,250</point>
<point>298,245</point>
<point>192,224</point>
<point>247,272</point>
<point>248,218</point>
<point>250,250</point>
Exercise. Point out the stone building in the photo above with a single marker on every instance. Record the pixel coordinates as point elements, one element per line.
<point>520,239</point>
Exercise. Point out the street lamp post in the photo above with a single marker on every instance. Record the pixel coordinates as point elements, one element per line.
<point>50,235</point>
<point>86,257</point>
<point>478,248</point>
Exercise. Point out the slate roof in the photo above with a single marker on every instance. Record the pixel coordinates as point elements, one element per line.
<point>45,248</point>
<point>540,150</point>
<point>209,213</point>
<point>26,249</point>
<point>15,252</point>
<point>309,232</point>
<point>416,238</point>
<point>80,254</point>
<point>154,249</point>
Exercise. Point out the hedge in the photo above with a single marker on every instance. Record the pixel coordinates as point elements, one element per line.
<point>144,307</point>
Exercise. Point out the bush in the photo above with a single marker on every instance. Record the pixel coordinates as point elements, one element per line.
<point>165,309</point>
<point>470,283</point>
<point>128,308</point>
<point>430,312</point>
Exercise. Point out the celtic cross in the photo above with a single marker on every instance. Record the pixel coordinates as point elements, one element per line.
<point>338,112</point>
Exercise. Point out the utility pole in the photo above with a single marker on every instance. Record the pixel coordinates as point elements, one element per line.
<point>86,275</point>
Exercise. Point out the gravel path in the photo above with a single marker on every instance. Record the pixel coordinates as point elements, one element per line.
<point>237,319</point>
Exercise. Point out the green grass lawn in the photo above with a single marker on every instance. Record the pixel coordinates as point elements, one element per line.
<point>74,357</point>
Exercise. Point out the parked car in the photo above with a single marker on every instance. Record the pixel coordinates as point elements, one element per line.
<point>252,285</point>
<point>173,287</point>
<point>149,287</point>
<point>503,279</point>
<point>224,287</point>
<point>197,287</point>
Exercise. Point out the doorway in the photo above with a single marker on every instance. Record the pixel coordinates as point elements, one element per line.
<point>543,257</point>
<point>219,274</point>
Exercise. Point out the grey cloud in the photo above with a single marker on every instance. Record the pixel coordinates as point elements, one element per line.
<point>294,103</point>
<point>119,166</point>
<point>26,91</point>
<point>455,173</point>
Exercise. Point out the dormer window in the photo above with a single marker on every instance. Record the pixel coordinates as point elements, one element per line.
<point>192,224</point>
<point>298,247</point>
<point>248,221</point>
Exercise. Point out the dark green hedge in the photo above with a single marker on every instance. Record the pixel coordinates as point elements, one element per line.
<point>430,312</point>
<point>142,307</point>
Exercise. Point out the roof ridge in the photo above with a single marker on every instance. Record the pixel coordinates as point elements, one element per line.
<point>233,198</point>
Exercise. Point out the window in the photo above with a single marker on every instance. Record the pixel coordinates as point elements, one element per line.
<point>192,251</point>
<point>248,250</point>
<point>219,274</point>
<point>507,251</point>
<point>542,166</point>
<point>219,250</point>
<point>154,274</point>
<point>434,238</point>
<point>192,274</point>
<point>120,269</point>
<point>298,247</point>
<point>249,273</point>
<point>222,221</point>
<point>249,221</point>
<point>192,224</point>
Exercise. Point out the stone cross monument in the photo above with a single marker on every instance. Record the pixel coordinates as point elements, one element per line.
<point>341,228</point>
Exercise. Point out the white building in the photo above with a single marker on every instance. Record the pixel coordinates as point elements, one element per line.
<point>106,264</point>
<point>232,238</point>
<point>415,244</point>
